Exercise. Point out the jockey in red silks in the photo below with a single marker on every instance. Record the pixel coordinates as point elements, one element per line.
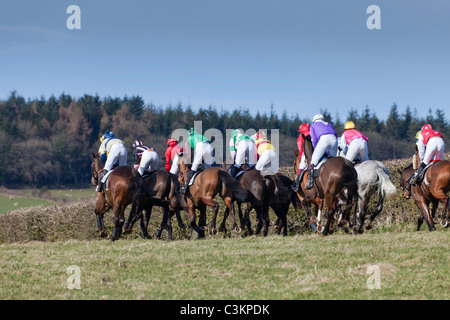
<point>173,154</point>
<point>304,132</point>
<point>431,146</point>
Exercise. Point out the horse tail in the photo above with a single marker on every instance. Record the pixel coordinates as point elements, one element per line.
<point>138,191</point>
<point>387,187</point>
<point>350,181</point>
<point>239,194</point>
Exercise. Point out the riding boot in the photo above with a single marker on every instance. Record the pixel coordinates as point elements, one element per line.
<point>311,177</point>
<point>296,184</point>
<point>100,182</point>
<point>416,174</point>
<point>186,183</point>
<point>234,171</point>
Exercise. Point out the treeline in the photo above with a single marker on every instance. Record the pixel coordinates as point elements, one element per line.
<point>47,142</point>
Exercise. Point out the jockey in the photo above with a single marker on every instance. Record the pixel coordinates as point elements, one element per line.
<point>202,152</point>
<point>145,158</point>
<point>111,150</point>
<point>431,147</point>
<point>324,139</point>
<point>241,146</point>
<point>354,142</point>
<point>304,132</point>
<point>173,153</point>
<point>266,153</point>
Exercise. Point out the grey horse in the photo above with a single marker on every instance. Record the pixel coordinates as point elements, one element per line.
<point>373,177</point>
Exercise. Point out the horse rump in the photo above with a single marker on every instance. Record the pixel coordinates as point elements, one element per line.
<point>239,194</point>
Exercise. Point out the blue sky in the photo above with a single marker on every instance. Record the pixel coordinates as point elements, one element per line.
<point>300,56</point>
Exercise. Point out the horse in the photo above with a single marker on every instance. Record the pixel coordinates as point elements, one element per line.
<point>433,189</point>
<point>280,202</point>
<point>335,175</point>
<point>260,190</point>
<point>207,184</point>
<point>165,187</point>
<point>373,177</point>
<point>308,197</point>
<point>124,186</point>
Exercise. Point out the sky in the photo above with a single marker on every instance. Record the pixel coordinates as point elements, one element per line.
<point>300,57</point>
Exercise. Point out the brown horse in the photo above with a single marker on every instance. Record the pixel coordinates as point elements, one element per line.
<point>164,185</point>
<point>207,184</point>
<point>308,197</point>
<point>260,192</point>
<point>124,186</point>
<point>433,189</point>
<point>335,175</point>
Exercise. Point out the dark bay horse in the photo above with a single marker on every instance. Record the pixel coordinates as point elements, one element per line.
<point>164,187</point>
<point>207,184</point>
<point>281,200</point>
<point>433,189</point>
<point>260,191</point>
<point>336,174</point>
<point>124,186</point>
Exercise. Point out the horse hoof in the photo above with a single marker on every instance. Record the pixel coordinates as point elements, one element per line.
<point>237,230</point>
<point>213,232</point>
<point>369,227</point>
<point>444,224</point>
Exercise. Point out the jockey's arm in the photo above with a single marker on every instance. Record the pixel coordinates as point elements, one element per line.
<point>421,147</point>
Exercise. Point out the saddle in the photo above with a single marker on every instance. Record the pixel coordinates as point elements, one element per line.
<point>422,174</point>
<point>194,176</point>
<point>105,179</point>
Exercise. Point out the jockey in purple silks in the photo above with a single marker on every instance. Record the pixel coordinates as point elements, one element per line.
<point>324,139</point>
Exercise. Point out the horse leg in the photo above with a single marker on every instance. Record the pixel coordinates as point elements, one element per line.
<point>423,207</point>
<point>126,227</point>
<point>305,205</point>
<point>202,222</point>
<point>377,210</point>
<point>360,216</point>
<point>329,203</point>
<point>445,218</point>
<point>179,220</point>
<point>247,218</point>
<point>118,221</point>
<point>230,206</point>
<point>192,217</point>
<point>164,222</point>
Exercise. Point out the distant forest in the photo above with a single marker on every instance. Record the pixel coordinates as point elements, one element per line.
<point>48,142</point>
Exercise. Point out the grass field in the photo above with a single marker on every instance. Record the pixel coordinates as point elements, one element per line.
<point>39,244</point>
<point>410,265</point>
<point>8,203</point>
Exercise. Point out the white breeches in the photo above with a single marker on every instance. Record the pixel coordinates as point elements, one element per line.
<point>268,160</point>
<point>326,143</point>
<point>434,150</point>
<point>358,147</point>
<point>149,160</point>
<point>246,149</point>
<point>203,151</point>
<point>118,153</point>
